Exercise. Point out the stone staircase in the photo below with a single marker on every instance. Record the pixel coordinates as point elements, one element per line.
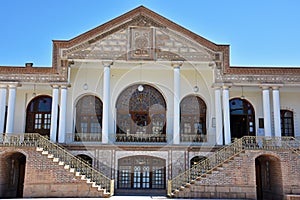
<point>51,171</point>
<point>224,173</point>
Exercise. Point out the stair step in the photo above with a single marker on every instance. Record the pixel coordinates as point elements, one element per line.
<point>56,160</point>
<point>50,156</point>
<point>61,163</point>
<point>77,174</point>
<point>72,170</point>
<point>39,149</point>
<point>67,166</point>
<point>44,152</point>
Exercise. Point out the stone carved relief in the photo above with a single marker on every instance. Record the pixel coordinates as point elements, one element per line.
<point>141,43</point>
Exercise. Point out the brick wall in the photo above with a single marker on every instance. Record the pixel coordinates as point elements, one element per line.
<point>237,178</point>
<point>43,177</point>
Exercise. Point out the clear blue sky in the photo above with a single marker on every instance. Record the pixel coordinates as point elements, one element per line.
<point>260,32</point>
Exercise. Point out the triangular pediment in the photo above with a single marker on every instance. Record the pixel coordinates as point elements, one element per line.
<point>139,34</point>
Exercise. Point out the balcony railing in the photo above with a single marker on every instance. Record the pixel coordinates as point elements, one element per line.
<point>148,138</point>
<point>88,137</point>
<point>193,138</point>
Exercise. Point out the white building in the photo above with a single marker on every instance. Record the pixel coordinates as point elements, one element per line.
<point>141,94</point>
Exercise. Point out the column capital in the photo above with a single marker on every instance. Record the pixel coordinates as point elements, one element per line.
<point>176,64</point>
<point>275,87</point>
<point>55,86</point>
<point>265,87</point>
<point>107,63</point>
<point>226,87</point>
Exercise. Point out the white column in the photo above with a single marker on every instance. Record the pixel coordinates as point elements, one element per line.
<point>54,112</point>
<point>276,110</point>
<point>11,108</point>
<point>226,115</point>
<point>62,115</point>
<point>267,111</point>
<point>218,114</point>
<point>176,114</point>
<point>106,103</point>
<point>3,89</point>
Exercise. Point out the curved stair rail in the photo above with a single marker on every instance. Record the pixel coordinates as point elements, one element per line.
<point>62,156</point>
<point>227,153</point>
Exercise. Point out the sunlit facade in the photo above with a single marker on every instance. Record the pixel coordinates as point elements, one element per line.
<point>143,99</point>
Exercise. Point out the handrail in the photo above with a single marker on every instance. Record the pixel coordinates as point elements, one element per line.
<point>226,153</point>
<point>36,140</point>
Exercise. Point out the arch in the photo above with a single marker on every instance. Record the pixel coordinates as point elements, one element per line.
<point>287,123</point>
<point>141,114</point>
<point>242,118</point>
<point>196,160</point>
<point>193,119</point>
<point>86,159</point>
<point>268,177</point>
<point>12,178</point>
<point>88,122</point>
<point>141,172</point>
<point>38,115</point>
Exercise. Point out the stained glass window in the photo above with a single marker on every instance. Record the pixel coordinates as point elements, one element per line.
<point>141,112</point>
<point>193,119</point>
<point>89,115</point>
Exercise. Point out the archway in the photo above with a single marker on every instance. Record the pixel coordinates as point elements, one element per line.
<point>268,178</point>
<point>87,159</point>
<point>242,118</point>
<point>88,125</point>
<point>141,115</point>
<point>193,119</point>
<point>12,176</point>
<point>287,123</point>
<point>141,173</point>
<point>196,160</point>
<point>38,115</point>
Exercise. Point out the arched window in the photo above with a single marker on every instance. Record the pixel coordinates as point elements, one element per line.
<point>193,119</point>
<point>38,118</point>
<point>287,123</point>
<point>242,118</point>
<point>141,115</point>
<point>88,119</point>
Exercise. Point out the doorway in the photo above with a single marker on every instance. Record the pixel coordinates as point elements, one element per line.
<point>140,174</point>
<point>242,118</point>
<point>14,172</point>
<point>268,178</point>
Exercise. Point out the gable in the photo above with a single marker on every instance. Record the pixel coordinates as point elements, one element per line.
<point>138,35</point>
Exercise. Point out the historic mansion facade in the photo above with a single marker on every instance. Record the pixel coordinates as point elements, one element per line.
<point>156,109</point>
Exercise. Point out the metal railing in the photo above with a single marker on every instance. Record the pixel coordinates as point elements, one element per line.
<point>149,138</point>
<point>88,137</point>
<point>82,168</point>
<point>216,159</point>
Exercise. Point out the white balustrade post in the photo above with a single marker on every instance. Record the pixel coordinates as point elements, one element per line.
<point>3,91</point>
<point>226,115</point>
<point>218,114</point>
<point>267,111</point>
<point>176,94</point>
<point>276,111</point>
<point>62,115</point>
<point>106,103</point>
<point>54,113</point>
<point>11,108</point>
